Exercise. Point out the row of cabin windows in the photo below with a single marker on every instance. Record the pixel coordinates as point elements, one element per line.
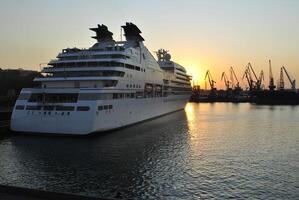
<point>114,96</point>
<point>97,64</point>
<point>87,74</point>
<point>123,95</point>
<point>183,79</point>
<point>74,50</point>
<point>105,107</point>
<point>133,86</point>
<point>182,84</point>
<point>52,108</point>
<point>150,91</point>
<point>54,97</point>
<point>120,56</point>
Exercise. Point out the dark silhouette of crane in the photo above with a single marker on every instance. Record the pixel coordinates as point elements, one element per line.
<point>292,82</point>
<point>210,79</point>
<point>260,80</point>
<point>254,84</point>
<point>252,70</point>
<point>249,79</point>
<point>226,81</point>
<point>234,78</point>
<point>271,79</point>
<point>281,80</point>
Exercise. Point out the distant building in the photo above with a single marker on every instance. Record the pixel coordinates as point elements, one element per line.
<point>13,80</point>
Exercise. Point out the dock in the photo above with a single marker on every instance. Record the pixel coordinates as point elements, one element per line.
<point>18,193</point>
<point>4,127</point>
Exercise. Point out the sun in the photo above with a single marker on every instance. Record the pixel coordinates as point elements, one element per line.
<point>197,74</point>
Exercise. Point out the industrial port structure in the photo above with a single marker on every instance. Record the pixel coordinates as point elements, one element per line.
<point>255,91</point>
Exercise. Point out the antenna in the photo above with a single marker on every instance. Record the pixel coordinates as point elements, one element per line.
<point>121,34</point>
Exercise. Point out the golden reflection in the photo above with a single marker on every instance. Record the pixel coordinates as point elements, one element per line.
<point>193,122</point>
<point>196,118</point>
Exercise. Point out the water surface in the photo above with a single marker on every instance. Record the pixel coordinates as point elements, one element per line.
<point>219,150</point>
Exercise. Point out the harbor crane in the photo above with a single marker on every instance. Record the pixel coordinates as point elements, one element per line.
<point>211,81</point>
<point>252,70</point>
<point>256,83</point>
<point>226,81</point>
<point>292,82</point>
<point>271,79</point>
<point>249,79</point>
<point>260,79</point>
<point>281,80</point>
<point>233,77</point>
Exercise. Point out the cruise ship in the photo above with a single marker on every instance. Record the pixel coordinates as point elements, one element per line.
<point>107,86</point>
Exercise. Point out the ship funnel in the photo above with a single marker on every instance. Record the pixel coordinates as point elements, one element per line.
<point>132,32</point>
<point>102,33</point>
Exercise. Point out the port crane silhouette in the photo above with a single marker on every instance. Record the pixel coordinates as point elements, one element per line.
<point>211,81</point>
<point>271,79</point>
<point>254,82</point>
<point>233,77</point>
<point>292,81</point>
<point>226,80</point>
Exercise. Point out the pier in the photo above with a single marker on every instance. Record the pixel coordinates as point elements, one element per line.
<point>19,193</point>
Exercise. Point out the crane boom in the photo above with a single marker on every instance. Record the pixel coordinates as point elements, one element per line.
<point>281,81</point>
<point>251,69</point>
<point>225,79</point>
<point>259,81</point>
<point>210,78</point>
<point>234,76</point>
<point>271,79</point>
<point>248,77</point>
<point>292,82</point>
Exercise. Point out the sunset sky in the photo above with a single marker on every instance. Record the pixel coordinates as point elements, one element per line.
<point>200,34</point>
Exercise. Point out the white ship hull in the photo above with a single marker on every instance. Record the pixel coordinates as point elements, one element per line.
<point>107,86</point>
<point>123,113</point>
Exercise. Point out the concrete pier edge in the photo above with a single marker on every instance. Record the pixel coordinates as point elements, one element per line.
<point>27,193</point>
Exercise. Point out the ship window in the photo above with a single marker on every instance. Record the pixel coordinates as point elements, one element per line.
<point>65,108</point>
<point>110,106</point>
<point>105,107</point>
<point>24,96</point>
<point>137,68</point>
<point>20,107</point>
<point>33,108</point>
<point>53,98</point>
<point>48,107</point>
<point>100,107</point>
<point>115,95</point>
<point>83,108</point>
<point>88,96</point>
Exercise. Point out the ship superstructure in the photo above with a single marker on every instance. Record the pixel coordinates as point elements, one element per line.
<point>107,86</point>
